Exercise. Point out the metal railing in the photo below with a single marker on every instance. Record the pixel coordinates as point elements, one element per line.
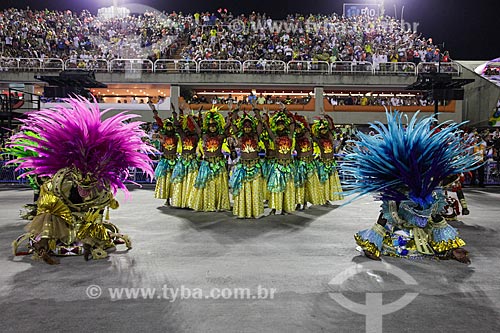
<point>352,67</point>
<point>395,68</point>
<point>97,65</point>
<point>175,66</point>
<point>130,65</point>
<point>220,66</point>
<point>452,68</point>
<point>264,66</point>
<point>260,66</point>
<point>308,67</point>
<point>31,64</point>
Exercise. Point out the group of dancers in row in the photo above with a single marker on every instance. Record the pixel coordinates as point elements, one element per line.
<point>298,167</point>
<point>82,160</point>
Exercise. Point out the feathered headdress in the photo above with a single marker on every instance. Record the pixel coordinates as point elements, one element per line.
<point>245,117</point>
<point>301,121</point>
<point>213,116</point>
<point>409,163</point>
<point>167,122</point>
<point>188,123</point>
<point>318,125</point>
<point>277,117</point>
<point>21,147</point>
<point>76,136</point>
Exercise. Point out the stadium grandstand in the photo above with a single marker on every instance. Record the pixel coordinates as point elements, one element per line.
<point>353,67</point>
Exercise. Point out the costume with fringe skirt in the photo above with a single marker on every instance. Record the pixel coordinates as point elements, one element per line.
<point>184,172</point>
<point>246,182</point>
<point>307,185</point>
<point>281,185</point>
<point>280,181</point>
<point>405,165</point>
<point>211,186</point>
<point>267,162</point>
<point>328,173</point>
<point>164,188</point>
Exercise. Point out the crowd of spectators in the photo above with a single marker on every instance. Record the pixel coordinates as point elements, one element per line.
<point>309,38</point>
<point>378,100</point>
<point>67,35</point>
<point>259,99</point>
<point>81,37</point>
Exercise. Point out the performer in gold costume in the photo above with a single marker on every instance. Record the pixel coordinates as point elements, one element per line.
<point>86,160</point>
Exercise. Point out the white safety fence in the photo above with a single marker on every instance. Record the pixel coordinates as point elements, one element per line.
<point>258,66</point>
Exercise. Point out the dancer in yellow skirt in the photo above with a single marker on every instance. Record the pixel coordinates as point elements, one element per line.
<point>307,185</point>
<point>323,134</point>
<point>163,172</point>
<point>186,168</point>
<point>211,187</point>
<point>267,161</point>
<point>246,179</point>
<point>280,180</point>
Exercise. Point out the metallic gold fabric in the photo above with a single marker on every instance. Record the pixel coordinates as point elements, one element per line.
<point>421,239</point>
<point>213,197</point>
<point>367,246</point>
<point>93,228</point>
<point>284,201</point>
<point>183,189</point>
<point>332,187</point>
<point>249,201</point>
<point>53,220</point>
<point>164,187</point>
<point>448,245</point>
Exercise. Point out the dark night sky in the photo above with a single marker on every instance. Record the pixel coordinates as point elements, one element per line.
<point>468,28</point>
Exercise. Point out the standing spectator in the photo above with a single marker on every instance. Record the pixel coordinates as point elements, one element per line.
<point>480,149</point>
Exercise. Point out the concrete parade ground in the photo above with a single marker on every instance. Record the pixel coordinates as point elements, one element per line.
<point>211,272</point>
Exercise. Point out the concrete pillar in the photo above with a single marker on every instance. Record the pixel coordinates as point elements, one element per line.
<point>175,93</point>
<point>318,95</point>
<point>30,100</point>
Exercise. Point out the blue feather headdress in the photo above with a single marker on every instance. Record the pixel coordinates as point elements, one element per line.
<point>406,163</point>
<point>75,136</point>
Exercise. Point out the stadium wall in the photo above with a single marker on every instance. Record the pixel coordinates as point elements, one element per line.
<point>481,97</point>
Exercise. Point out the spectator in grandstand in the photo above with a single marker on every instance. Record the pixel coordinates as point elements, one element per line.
<point>82,38</point>
<point>479,148</point>
<point>261,100</point>
<point>252,99</point>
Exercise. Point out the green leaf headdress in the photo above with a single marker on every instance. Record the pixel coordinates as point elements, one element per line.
<point>279,116</point>
<point>319,124</point>
<point>214,116</point>
<point>241,121</point>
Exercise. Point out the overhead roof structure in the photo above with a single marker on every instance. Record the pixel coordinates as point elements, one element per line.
<point>78,78</point>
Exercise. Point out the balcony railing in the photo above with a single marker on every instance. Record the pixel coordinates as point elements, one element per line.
<point>219,66</point>
<point>264,66</point>
<point>174,66</point>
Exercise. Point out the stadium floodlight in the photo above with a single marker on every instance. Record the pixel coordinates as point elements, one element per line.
<point>112,11</point>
